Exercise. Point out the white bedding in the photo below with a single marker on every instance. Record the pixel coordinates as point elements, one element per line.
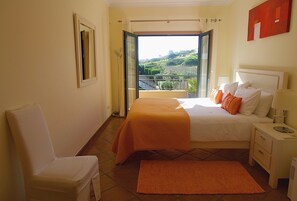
<point>209,122</point>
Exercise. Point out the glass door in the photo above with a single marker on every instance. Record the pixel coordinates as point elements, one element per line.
<point>204,64</point>
<point>131,75</point>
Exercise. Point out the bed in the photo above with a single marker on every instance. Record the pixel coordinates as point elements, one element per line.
<point>154,124</point>
<point>267,81</point>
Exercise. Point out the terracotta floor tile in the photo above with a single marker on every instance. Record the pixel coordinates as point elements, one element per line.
<point>199,153</point>
<point>109,137</point>
<point>215,158</point>
<point>116,194</point>
<point>141,155</point>
<point>170,154</point>
<point>255,197</point>
<point>155,156</point>
<point>126,172</point>
<point>119,182</point>
<point>187,157</point>
<point>135,199</point>
<point>106,183</point>
<point>212,150</point>
<point>92,151</point>
<point>105,156</point>
<point>200,197</point>
<point>131,186</point>
<point>158,197</point>
<point>107,166</point>
<point>103,145</point>
<point>231,154</point>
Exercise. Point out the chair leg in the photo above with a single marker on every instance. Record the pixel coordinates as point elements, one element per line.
<point>95,183</point>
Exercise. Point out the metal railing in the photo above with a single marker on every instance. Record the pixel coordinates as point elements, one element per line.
<point>165,82</point>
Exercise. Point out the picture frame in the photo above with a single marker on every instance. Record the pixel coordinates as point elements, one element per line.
<point>85,50</point>
<point>269,18</point>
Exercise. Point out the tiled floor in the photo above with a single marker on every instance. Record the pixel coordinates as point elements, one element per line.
<point>118,183</point>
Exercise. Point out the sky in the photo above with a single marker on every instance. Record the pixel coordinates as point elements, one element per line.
<point>156,46</point>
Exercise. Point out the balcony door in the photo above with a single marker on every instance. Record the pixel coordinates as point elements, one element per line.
<point>204,64</point>
<point>131,75</point>
<point>183,69</point>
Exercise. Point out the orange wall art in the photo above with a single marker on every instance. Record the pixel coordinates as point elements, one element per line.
<point>269,18</point>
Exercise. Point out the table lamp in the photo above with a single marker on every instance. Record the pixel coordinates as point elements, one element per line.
<point>283,101</point>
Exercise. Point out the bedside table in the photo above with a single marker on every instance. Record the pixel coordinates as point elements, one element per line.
<point>272,150</point>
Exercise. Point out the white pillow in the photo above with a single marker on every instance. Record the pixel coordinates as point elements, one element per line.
<point>244,85</point>
<point>264,104</point>
<point>229,88</point>
<point>250,98</point>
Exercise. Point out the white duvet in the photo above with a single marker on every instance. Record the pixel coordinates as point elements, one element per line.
<point>209,122</point>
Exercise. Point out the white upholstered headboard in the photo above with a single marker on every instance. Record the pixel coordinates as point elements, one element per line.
<point>268,81</point>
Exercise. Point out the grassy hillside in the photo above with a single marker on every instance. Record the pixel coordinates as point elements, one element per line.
<point>177,63</point>
<point>177,70</point>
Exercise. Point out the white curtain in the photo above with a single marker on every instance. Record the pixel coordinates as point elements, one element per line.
<point>213,25</point>
<point>126,26</point>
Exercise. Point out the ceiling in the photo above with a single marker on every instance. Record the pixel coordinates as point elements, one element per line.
<point>139,3</point>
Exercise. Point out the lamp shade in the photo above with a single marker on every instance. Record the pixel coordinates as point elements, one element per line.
<point>285,99</point>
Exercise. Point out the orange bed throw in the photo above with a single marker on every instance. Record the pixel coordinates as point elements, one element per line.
<point>152,124</point>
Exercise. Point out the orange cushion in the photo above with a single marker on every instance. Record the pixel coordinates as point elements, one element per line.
<point>231,104</point>
<point>216,96</point>
<point>226,101</point>
<point>219,96</point>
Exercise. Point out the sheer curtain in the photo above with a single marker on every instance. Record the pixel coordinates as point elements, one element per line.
<point>126,26</point>
<point>213,24</point>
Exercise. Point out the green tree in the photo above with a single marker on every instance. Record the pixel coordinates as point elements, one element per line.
<point>167,85</point>
<point>191,60</point>
<point>175,61</point>
<point>192,85</point>
<point>141,69</point>
<point>171,54</point>
<point>151,65</point>
<point>155,71</point>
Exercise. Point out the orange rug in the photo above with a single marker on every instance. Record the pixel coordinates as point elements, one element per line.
<point>195,177</point>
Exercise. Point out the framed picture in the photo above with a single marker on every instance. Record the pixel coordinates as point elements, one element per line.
<point>269,18</point>
<point>85,51</point>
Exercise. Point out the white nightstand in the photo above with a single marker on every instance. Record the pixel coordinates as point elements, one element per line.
<point>272,150</point>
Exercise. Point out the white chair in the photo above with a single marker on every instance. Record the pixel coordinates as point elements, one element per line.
<point>48,178</point>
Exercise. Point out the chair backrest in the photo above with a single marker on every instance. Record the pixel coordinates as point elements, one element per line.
<point>31,137</point>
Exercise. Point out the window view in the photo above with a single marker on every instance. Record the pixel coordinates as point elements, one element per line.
<point>168,63</point>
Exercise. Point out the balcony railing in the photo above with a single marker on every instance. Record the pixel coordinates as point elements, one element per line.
<point>164,82</point>
<point>172,86</point>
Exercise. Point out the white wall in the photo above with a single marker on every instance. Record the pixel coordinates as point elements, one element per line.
<point>274,53</point>
<point>37,65</point>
